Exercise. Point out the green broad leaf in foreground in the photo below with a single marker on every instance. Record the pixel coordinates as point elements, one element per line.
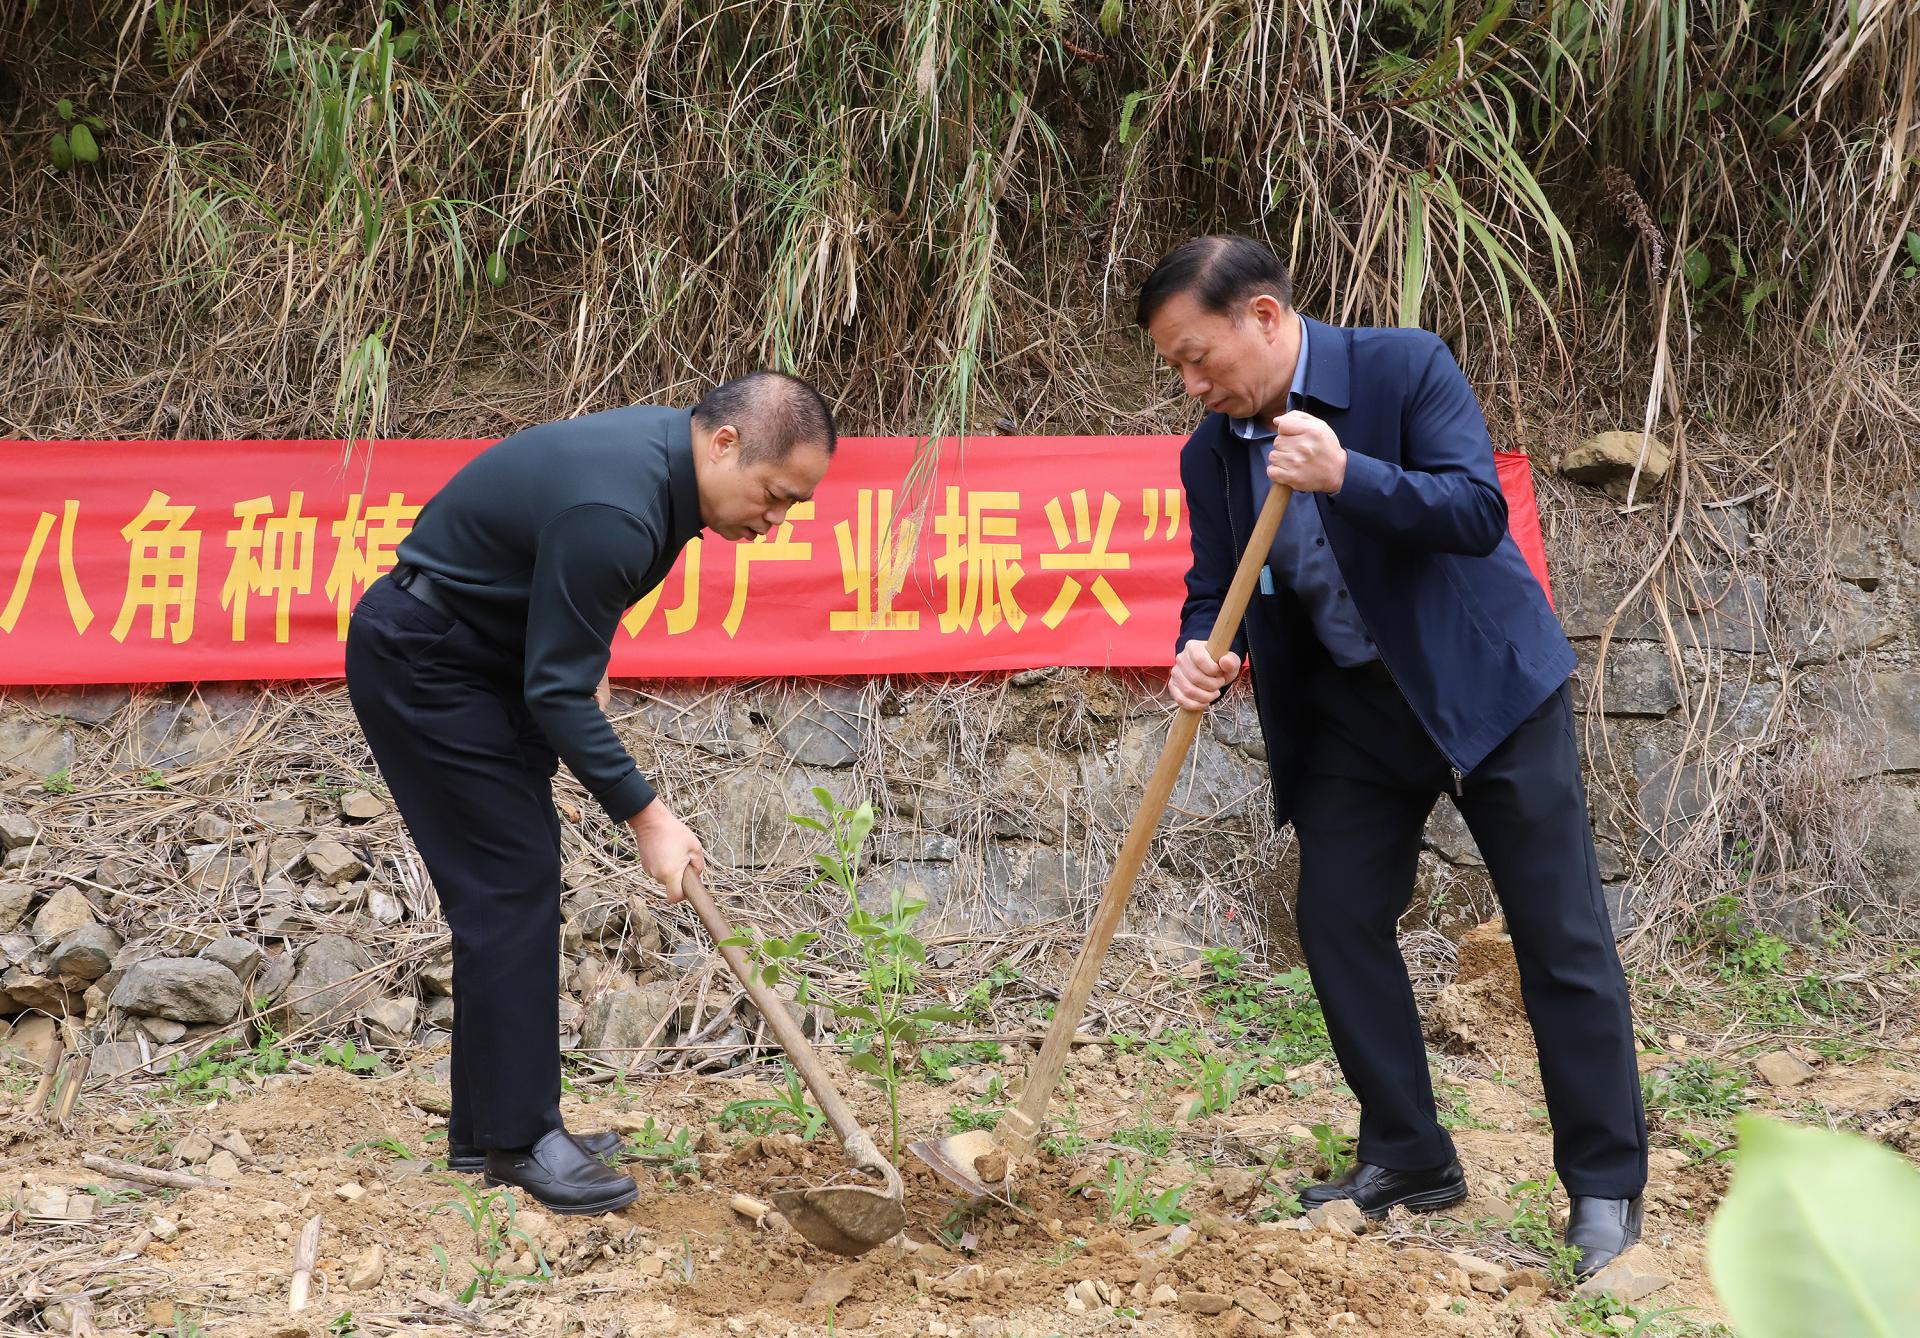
<point>1817,1236</point>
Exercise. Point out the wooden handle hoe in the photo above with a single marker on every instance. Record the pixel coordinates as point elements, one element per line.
<point>964,1159</point>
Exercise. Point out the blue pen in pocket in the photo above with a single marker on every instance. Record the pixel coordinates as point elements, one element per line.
<point>1266,580</point>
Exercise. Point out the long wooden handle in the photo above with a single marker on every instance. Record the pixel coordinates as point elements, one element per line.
<point>1019,1129</point>
<point>774,1009</point>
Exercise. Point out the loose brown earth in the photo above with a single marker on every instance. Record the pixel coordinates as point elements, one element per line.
<point>682,1260</point>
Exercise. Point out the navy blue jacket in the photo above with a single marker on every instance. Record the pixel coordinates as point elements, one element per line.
<point>1420,532</point>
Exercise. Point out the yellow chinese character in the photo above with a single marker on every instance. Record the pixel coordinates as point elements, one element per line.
<point>77,607</point>
<point>364,551</point>
<point>873,567</point>
<point>1153,501</point>
<point>1096,558</point>
<point>776,547</point>
<point>981,563</point>
<point>681,617</point>
<point>163,570</point>
<point>272,559</point>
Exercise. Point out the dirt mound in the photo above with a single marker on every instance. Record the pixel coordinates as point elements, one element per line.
<point>1481,1012</point>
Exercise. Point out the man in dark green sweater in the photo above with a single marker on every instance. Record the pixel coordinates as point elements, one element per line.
<point>480,664</point>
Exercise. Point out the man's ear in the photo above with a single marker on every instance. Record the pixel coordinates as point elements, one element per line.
<point>725,440</point>
<point>1268,313</point>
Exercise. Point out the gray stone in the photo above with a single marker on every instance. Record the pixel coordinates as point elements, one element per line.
<point>22,988</point>
<point>15,898</point>
<point>280,919</point>
<point>1893,700</point>
<point>1623,907</point>
<point>174,733</point>
<point>923,847</point>
<point>390,1022</point>
<point>325,900</point>
<point>16,948</point>
<point>1608,459</point>
<point>211,827</point>
<point>84,704</point>
<point>333,863</point>
<point>1854,551</point>
<point>28,1039</point>
<point>324,989</point>
<point>214,868</point>
<point>281,813</point>
<point>236,954</point>
<point>117,872</point>
<point>35,748</point>
<point>438,1013</point>
<point>17,829</point>
<point>933,884</point>
<point>1719,612</point>
<point>185,989</point>
<point>619,1023</point>
<point>751,827</point>
<point>1671,792</point>
<point>1031,884</point>
<point>17,859</point>
<point>1613,866</point>
<point>1448,837</point>
<point>164,1030</point>
<point>87,953</point>
<point>276,973</point>
<point>821,725</point>
<point>920,760</point>
<point>1638,680</point>
<point>64,912</point>
<point>1216,783</point>
<point>1235,721</point>
<point>436,974</point>
<point>1743,712</point>
<point>1034,791</point>
<point>1734,525</point>
<point>692,716</point>
<point>1892,853</point>
<point>114,1059</point>
<point>1853,621</point>
<point>383,906</point>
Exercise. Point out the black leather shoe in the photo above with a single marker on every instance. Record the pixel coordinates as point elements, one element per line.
<point>606,1145</point>
<point>562,1176</point>
<point>1375,1189</point>
<point>1603,1229</point>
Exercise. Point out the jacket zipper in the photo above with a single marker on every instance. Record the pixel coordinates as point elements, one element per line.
<point>1453,769</point>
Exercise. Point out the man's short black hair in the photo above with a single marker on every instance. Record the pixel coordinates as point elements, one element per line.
<point>773,413</point>
<point>1222,273</point>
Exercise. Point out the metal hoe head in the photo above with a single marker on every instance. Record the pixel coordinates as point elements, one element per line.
<point>972,1162</point>
<point>847,1219</point>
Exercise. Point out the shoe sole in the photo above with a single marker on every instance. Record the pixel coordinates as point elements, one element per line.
<point>1426,1201</point>
<point>609,1205</point>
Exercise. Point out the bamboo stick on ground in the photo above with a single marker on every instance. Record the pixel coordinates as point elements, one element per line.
<point>305,1251</point>
<point>147,1175</point>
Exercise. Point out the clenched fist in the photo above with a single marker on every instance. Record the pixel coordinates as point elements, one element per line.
<point>1306,455</point>
<point>668,847</point>
<point>1198,678</point>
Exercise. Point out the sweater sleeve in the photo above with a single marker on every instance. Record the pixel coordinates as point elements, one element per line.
<point>587,564</point>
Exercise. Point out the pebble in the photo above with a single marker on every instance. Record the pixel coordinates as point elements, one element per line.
<point>1203,1303</point>
<point>351,1191</point>
<point>368,1269</point>
<point>1163,1295</point>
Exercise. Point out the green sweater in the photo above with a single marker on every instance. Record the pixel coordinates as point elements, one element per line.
<point>541,543</point>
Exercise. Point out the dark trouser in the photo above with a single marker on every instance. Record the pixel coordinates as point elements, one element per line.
<point>471,773</point>
<point>1370,779</point>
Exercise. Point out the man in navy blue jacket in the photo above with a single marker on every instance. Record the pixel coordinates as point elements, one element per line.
<point>1401,649</point>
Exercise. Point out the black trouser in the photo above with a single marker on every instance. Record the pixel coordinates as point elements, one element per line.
<point>1370,779</point>
<point>472,775</point>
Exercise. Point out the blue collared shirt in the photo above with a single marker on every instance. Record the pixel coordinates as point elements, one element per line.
<point>1300,558</point>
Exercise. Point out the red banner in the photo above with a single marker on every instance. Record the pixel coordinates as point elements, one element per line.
<point>161,561</point>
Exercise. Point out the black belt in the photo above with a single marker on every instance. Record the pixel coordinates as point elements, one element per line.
<point>410,580</point>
